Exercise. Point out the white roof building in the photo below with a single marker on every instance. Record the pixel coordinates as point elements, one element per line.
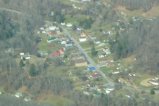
<point>52,28</point>
<point>82,39</point>
<point>69,25</point>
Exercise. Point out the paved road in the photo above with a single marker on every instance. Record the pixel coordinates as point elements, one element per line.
<point>87,57</point>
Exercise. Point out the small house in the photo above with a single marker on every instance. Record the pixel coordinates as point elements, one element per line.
<point>63,24</point>
<point>25,56</point>
<point>26,99</point>
<point>42,54</point>
<point>82,39</point>
<point>58,53</point>
<point>91,68</point>
<point>42,28</point>
<point>80,63</point>
<point>109,88</point>
<point>78,60</point>
<point>115,72</point>
<point>96,75</point>
<point>101,54</point>
<point>51,39</point>
<point>52,28</point>
<point>44,32</point>
<point>83,34</point>
<point>154,81</point>
<point>63,42</point>
<point>52,33</point>
<point>69,44</point>
<point>78,29</point>
<point>76,56</point>
<point>97,42</point>
<point>18,95</point>
<point>69,25</point>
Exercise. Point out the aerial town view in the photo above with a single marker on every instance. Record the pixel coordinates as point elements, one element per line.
<point>79,53</point>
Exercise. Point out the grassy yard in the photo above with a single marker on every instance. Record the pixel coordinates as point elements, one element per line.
<point>106,70</point>
<point>142,79</point>
<point>149,14</point>
<point>153,12</point>
<point>128,12</point>
<point>85,45</point>
<point>48,47</point>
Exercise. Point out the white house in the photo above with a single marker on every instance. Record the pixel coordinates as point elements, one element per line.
<point>44,32</point>
<point>63,42</point>
<point>97,42</point>
<point>116,72</point>
<point>83,34</point>
<point>21,54</point>
<point>52,28</point>
<point>69,25</point>
<point>82,39</point>
<point>26,99</point>
<point>18,95</point>
<point>154,83</point>
<point>79,29</point>
<point>42,28</point>
<point>86,93</point>
<point>63,24</point>
<point>25,56</point>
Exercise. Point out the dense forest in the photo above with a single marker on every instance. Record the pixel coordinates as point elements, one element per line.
<point>135,36</point>
<point>139,37</point>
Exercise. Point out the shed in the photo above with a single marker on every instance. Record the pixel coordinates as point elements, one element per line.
<point>80,63</point>
<point>91,68</point>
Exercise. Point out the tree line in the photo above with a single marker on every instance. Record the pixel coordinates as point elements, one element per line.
<point>139,37</point>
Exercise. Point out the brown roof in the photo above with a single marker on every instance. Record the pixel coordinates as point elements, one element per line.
<point>80,61</point>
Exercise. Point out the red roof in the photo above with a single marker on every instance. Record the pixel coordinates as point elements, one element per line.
<point>58,53</point>
<point>95,75</point>
<point>52,33</point>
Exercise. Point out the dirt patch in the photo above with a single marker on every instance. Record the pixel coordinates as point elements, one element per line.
<point>153,12</point>
<point>146,83</point>
<point>129,12</point>
<point>23,89</point>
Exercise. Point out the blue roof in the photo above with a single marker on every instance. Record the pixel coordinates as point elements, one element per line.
<point>91,68</point>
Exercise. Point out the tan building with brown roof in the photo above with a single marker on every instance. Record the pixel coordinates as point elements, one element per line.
<point>78,60</point>
<point>80,63</point>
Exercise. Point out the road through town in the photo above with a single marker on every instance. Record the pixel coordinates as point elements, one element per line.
<point>87,57</point>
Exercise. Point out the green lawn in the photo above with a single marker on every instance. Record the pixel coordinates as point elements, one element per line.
<point>106,70</point>
<point>48,47</point>
<point>85,45</point>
